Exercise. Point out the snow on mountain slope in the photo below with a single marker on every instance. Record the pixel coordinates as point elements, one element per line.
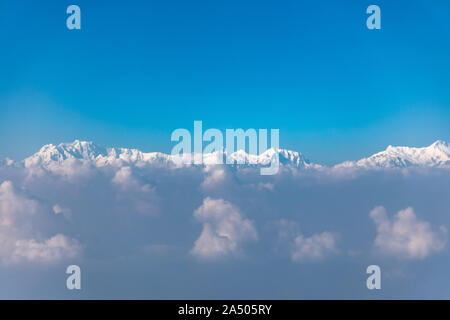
<point>286,157</point>
<point>89,152</point>
<point>435,155</point>
<point>64,151</point>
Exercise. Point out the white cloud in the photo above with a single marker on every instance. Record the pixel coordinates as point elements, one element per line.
<point>268,186</point>
<point>287,229</point>
<point>214,175</point>
<point>13,206</point>
<point>314,248</point>
<point>54,249</point>
<point>142,196</point>
<point>17,233</point>
<point>224,229</point>
<point>305,249</point>
<point>406,236</point>
<point>124,178</point>
<point>66,212</point>
<point>72,170</point>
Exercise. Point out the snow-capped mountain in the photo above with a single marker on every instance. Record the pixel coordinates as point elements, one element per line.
<point>87,151</point>
<point>64,151</point>
<point>286,157</point>
<point>49,155</point>
<point>435,155</point>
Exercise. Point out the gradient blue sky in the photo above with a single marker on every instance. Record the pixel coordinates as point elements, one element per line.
<point>140,69</point>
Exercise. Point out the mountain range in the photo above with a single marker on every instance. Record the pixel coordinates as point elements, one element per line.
<point>435,155</point>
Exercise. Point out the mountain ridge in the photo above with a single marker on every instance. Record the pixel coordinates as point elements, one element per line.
<point>89,151</point>
<point>435,155</point>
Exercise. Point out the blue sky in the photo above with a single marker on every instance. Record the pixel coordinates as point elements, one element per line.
<point>138,70</point>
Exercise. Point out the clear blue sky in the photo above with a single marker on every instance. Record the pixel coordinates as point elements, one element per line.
<point>137,70</point>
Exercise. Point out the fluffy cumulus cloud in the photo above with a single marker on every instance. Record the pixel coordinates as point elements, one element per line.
<point>306,249</point>
<point>71,170</point>
<point>125,179</point>
<point>224,229</point>
<point>214,175</point>
<point>405,235</point>
<point>136,193</point>
<point>56,248</point>
<point>13,206</point>
<point>313,248</point>
<point>18,235</point>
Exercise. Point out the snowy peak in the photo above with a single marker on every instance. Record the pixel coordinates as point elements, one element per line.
<point>435,155</point>
<point>50,155</point>
<point>65,151</point>
<point>285,157</point>
<point>87,151</point>
<point>293,157</point>
<point>81,150</point>
<point>441,145</point>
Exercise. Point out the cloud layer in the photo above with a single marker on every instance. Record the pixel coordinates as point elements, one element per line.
<point>125,217</point>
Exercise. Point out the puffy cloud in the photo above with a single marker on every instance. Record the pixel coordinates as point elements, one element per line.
<point>224,229</point>
<point>17,233</point>
<point>142,196</point>
<point>124,178</point>
<point>56,248</point>
<point>66,212</point>
<point>71,170</point>
<point>314,248</point>
<point>214,175</point>
<point>267,186</point>
<point>406,236</point>
<point>305,249</point>
<point>13,206</point>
